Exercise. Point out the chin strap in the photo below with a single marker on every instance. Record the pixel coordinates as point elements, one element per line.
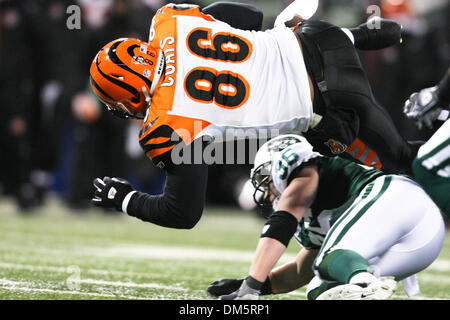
<point>148,98</point>
<point>159,70</point>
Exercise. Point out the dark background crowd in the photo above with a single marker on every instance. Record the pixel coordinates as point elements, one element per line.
<point>55,137</point>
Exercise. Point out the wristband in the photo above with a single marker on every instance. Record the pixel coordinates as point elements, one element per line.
<point>126,200</point>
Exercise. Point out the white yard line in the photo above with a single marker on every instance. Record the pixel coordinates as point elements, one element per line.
<point>91,294</point>
<point>27,286</point>
<point>189,253</point>
<point>173,253</point>
<point>92,281</point>
<point>184,253</point>
<point>103,272</point>
<point>180,253</point>
<point>131,284</point>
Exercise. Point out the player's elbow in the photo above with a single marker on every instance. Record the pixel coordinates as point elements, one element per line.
<point>190,220</point>
<point>190,223</point>
<point>187,217</point>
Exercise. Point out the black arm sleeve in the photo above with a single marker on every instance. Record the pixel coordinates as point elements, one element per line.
<point>238,15</point>
<point>444,88</point>
<point>182,203</point>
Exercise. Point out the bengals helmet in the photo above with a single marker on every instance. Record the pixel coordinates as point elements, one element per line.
<point>125,74</point>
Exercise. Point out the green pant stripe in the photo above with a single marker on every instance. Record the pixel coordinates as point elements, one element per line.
<point>386,184</point>
<point>325,241</point>
<point>435,150</point>
<point>342,218</point>
<point>441,166</point>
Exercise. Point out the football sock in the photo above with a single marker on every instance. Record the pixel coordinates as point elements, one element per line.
<point>250,286</point>
<point>314,293</point>
<point>266,287</point>
<point>254,284</point>
<point>341,265</point>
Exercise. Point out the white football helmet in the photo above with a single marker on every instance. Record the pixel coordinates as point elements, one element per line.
<point>261,173</point>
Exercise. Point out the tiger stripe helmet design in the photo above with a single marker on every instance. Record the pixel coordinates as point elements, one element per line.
<point>124,75</point>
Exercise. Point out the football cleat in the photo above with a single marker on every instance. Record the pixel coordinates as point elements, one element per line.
<point>381,289</point>
<point>124,75</point>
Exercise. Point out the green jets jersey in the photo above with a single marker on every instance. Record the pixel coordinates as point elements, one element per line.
<point>340,182</point>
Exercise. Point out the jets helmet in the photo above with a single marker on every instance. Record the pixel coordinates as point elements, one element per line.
<point>124,75</point>
<point>263,169</point>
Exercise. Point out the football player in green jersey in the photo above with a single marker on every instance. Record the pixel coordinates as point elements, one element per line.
<point>431,167</point>
<point>361,229</point>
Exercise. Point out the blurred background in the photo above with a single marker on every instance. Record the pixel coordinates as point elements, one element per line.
<point>55,138</point>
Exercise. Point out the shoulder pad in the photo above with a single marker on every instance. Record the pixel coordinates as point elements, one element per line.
<point>287,161</point>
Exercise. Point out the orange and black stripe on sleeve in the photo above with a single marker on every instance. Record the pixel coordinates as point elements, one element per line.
<point>361,152</point>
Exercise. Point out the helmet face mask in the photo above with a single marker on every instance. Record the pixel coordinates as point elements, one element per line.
<point>124,76</point>
<point>261,174</point>
<point>119,110</point>
<point>262,181</point>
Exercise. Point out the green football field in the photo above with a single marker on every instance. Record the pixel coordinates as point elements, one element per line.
<point>57,254</point>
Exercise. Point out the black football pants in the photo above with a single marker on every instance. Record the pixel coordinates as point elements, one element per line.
<point>344,98</point>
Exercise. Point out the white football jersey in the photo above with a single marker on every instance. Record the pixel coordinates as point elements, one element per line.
<point>272,76</point>
<point>219,77</point>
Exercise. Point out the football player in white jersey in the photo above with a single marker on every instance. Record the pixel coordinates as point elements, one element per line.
<point>357,225</point>
<point>431,167</point>
<point>199,76</point>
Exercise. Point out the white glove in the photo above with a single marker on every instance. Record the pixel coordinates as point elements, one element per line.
<point>423,107</point>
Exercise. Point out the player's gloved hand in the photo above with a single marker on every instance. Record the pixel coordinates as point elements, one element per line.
<point>111,192</point>
<point>243,293</point>
<point>423,107</point>
<point>223,286</point>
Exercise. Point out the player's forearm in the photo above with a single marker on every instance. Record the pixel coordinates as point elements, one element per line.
<point>182,203</point>
<point>294,274</point>
<point>286,278</point>
<point>267,254</point>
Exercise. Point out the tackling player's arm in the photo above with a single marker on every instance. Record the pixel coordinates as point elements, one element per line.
<point>300,193</point>
<point>285,278</point>
<point>281,226</point>
<point>278,230</point>
<point>294,274</point>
